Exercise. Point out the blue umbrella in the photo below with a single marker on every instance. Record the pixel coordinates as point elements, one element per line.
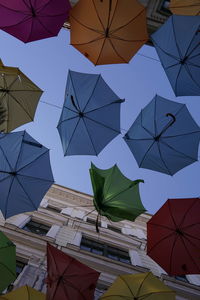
<point>25,173</point>
<point>177,43</point>
<point>164,137</point>
<point>90,117</point>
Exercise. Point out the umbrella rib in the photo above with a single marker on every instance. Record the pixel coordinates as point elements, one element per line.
<point>89,42</point>
<point>32,160</point>
<point>99,123</point>
<point>162,226</point>
<point>6,157</point>
<point>115,50</point>
<point>21,106</point>
<point>169,54</point>
<point>142,283</point>
<point>109,25</point>
<point>152,293</point>
<point>26,18</point>
<point>100,51</point>
<point>160,241</point>
<point>47,30</point>
<point>178,49</point>
<point>95,85</point>
<point>191,158</point>
<point>127,287</point>
<point>182,134</point>
<point>178,63</point>
<point>187,236</point>
<point>162,159</point>
<point>192,76</point>
<point>191,257</point>
<point>171,254</point>
<point>47,180</point>
<point>26,194</point>
<point>98,16</point>
<point>72,135</point>
<point>121,39</point>
<point>140,165</point>
<point>1,263</point>
<point>90,137</point>
<point>191,206</point>
<point>6,202</point>
<point>133,19</point>
<point>141,121</point>
<point>68,120</point>
<point>114,102</point>
<point>197,45</point>
<point>183,6</point>
<point>74,111</point>
<point>90,28</point>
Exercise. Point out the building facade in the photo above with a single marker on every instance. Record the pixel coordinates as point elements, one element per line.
<point>157,13</point>
<point>66,219</point>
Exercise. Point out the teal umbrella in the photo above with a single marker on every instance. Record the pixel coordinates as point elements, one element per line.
<point>7,262</point>
<point>115,196</point>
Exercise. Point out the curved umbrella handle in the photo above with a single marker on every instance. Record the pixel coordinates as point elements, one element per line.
<point>173,117</point>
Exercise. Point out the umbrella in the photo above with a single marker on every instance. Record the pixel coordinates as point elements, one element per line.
<point>164,137</point>
<point>138,286</point>
<point>108,31</point>
<point>177,43</point>
<point>90,117</point>
<point>7,262</point>
<point>24,293</point>
<point>115,196</point>
<point>173,236</point>
<point>25,173</point>
<point>68,278</point>
<point>19,97</point>
<point>185,7</point>
<point>31,20</point>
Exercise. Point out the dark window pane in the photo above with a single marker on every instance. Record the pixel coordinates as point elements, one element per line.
<point>116,229</point>
<point>19,267</point>
<point>36,228</point>
<point>181,278</point>
<point>54,209</point>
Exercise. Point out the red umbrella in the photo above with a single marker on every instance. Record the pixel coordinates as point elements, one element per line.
<point>31,20</point>
<point>173,239</point>
<point>68,278</point>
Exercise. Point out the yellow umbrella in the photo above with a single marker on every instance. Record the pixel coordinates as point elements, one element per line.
<point>24,293</point>
<point>185,7</point>
<point>138,287</point>
<point>19,97</point>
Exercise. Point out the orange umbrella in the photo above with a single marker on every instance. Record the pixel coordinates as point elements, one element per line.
<point>108,31</point>
<point>185,7</point>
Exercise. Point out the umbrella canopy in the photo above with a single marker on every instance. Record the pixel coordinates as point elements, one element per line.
<point>173,236</point>
<point>19,97</point>
<point>31,20</point>
<point>25,173</point>
<point>164,137</point>
<point>177,43</point>
<point>68,278</point>
<point>108,32</point>
<point>185,7</point>
<point>115,196</point>
<point>90,118</point>
<point>138,286</point>
<point>7,262</point>
<point>24,293</point>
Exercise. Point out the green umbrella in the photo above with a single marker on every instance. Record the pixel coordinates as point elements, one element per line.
<point>115,196</point>
<point>7,262</point>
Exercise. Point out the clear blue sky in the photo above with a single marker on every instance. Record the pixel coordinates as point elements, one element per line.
<point>46,63</point>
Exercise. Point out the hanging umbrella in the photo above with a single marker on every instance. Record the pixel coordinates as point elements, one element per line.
<point>24,293</point>
<point>68,278</point>
<point>7,262</point>
<point>115,196</point>
<point>25,173</point>
<point>108,31</point>
<point>173,236</point>
<point>19,97</point>
<point>185,7</point>
<point>138,286</point>
<point>164,137</point>
<point>31,20</point>
<point>177,43</point>
<point>90,118</point>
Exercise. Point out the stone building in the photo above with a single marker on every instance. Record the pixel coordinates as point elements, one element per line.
<point>66,219</point>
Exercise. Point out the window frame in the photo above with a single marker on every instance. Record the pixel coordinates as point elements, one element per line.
<point>43,231</point>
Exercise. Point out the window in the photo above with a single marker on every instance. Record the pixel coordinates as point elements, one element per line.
<point>164,7</point>
<point>115,229</point>
<point>19,267</point>
<point>93,222</point>
<point>54,209</point>
<point>36,228</point>
<point>181,278</point>
<point>105,250</point>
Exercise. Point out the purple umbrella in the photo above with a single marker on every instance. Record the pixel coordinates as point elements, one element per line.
<point>31,20</point>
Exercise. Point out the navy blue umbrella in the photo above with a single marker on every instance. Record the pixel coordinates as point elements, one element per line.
<point>177,43</point>
<point>25,173</point>
<point>90,117</point>
<point>164,137</point>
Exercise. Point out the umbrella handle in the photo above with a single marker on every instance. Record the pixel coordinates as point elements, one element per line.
<point>168,125</point>
<point>173,117</point>
<point>96,223</point>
